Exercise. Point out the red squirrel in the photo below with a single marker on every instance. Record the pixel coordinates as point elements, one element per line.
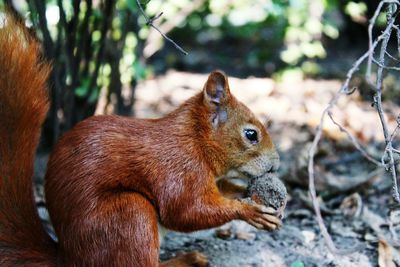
<point>111,180</point>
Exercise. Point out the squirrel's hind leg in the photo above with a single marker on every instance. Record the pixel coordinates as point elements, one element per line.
<point>124,233</point>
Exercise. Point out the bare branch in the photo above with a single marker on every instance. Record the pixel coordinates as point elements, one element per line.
<point>48,42</point>
<point>311,176</point>
<point>354,140</point>
<point>383,38</point>
<point>149,22</point>
<point>105,27</point>
<point>392,57</point>
<point>378,101</point>
<point>385,67</point>
<point>370,28</point>
<point>398,37</point>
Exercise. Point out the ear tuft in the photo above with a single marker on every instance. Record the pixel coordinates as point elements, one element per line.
<point>216,89</point>
<point>216,96</point>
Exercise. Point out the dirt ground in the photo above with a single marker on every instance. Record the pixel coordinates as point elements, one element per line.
<point>355,193</point>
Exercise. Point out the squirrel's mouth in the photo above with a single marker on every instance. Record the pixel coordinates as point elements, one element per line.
<point>242,179</point>
<point>245,175</point>
<point>271,171</point>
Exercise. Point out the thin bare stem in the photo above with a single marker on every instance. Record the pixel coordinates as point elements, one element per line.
<point>149,22</point>
<point>370,28</point>
<point>397,37</point>
<point>385,67</point>
<point>378,100</point>
<point>355,141</point>
<point>383,38</point>
<point>392,57</point>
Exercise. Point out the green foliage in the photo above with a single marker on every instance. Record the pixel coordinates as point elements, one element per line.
<point>83,89</point>
<point>140,70</point>
<point>130,4</point>
<point>94,96</point>
<point>305,27</point>
<point>287,33</point>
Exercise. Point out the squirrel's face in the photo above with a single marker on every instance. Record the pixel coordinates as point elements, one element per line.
<point>248,146</point>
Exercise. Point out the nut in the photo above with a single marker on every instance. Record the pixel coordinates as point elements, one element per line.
<point>268,190</point>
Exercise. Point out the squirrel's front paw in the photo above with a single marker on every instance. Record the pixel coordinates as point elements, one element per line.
<point>261,217</point>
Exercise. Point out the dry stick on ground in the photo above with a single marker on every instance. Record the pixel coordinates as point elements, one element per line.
<point>344,90</point>
<point>149,22</point>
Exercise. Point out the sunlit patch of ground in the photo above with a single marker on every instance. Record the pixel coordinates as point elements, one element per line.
<point>296,102</point>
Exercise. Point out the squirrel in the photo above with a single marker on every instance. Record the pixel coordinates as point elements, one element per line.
<point>112,180</point>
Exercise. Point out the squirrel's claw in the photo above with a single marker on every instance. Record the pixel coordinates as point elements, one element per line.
<point>261,217</point>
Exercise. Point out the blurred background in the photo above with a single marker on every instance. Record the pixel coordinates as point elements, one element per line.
<point>285,60</point>
<point>101,50</point>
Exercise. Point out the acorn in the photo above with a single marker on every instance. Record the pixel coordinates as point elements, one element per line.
<point>268,190</point>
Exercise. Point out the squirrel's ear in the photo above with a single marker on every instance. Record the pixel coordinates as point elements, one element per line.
<point>216,96</point>
<point>216,89</point>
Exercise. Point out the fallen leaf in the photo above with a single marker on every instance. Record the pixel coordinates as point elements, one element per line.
<point>245,235</point>
<point>385,258</point>
<point>223,233</point>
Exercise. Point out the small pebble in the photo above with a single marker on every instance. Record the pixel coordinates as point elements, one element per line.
<point>245,236</point>
<point>223,233</point>
<point>308,236</point>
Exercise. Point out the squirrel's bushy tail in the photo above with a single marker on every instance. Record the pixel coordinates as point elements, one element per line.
<point>23,107</point>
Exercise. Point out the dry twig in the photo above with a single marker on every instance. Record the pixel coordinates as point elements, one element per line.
<point>354,140</point>
<point>382,39</point>
<point>378,98</point>
<point>149,22</point>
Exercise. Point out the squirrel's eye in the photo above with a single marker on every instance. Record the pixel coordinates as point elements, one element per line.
<point>251,135</point>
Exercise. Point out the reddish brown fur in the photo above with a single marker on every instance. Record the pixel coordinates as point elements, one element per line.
<point>170,162</point>
<point>23,107</point>
<point>111,179</point>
